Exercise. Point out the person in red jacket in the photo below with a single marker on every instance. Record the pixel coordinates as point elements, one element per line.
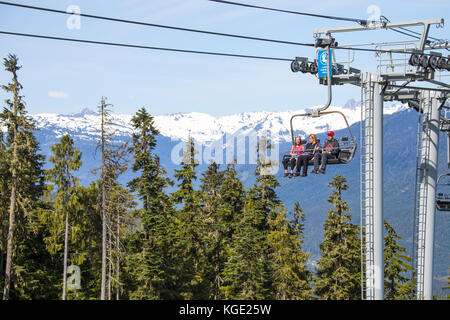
<point>330,150</point>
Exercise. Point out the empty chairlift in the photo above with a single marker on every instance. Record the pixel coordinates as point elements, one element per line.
<point>443,192</point>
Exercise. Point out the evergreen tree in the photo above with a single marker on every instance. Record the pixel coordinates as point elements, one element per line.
<point>24,182</point>
<point>66,159</point>
<point>396,285</point>
<point>212,236</point>
<point>104,141</point>
<point>248,271</point>
<point>112,195</point>
<point>83,233</point>
<point>113,165</point>
<point>222,207</point>
<point>120,219</point>
<point>149,263</point>
<point>338,273</point>
<point>291,277</point>
<point>447,286</point>
<point>210,187</point>
<point>190,229</point>
<point>145,161</point>
<point>232,194</point>
<point>186,195</point>
<point>86,241</point>
<point>4,204</point>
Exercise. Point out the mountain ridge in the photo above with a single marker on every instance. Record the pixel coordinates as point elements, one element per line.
<point>204,128</point>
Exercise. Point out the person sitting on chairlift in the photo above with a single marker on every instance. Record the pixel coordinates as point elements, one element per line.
<point>330,151</point>
<point>291,159</point>
<point>311,148</point>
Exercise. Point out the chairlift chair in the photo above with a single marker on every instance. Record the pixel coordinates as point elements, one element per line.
<point>347,148</point>
<point>442,198</point>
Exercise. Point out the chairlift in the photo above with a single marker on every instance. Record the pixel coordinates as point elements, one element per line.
<point>443,198</point>
<point>347,148</point>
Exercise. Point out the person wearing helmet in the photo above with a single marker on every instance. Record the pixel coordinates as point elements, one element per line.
<point>330,151</point>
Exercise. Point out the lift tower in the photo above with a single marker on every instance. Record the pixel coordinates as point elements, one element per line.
<point>376,88</point>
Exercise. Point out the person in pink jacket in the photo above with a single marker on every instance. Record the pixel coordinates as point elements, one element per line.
<point>291,159</point>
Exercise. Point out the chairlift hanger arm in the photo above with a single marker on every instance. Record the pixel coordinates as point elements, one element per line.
<point>292,127</point>
<point>322,43</point>
<point>441,176</point>
<point>323,113</point>
<point>329,42</point>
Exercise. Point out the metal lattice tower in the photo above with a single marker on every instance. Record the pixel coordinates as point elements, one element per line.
<point>430,104</point>
<point>367,200</point>
<point>422,194</point>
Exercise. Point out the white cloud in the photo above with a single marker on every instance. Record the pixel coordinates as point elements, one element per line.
<point>58,94</point>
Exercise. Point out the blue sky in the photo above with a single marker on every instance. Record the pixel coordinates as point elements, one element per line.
<point>62,77</point>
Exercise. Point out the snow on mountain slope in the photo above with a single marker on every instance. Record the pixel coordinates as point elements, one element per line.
<point>205,128</point>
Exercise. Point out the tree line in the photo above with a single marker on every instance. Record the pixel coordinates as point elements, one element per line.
<point>62,240</point>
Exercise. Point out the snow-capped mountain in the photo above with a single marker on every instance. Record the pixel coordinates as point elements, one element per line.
<point>204,128</point>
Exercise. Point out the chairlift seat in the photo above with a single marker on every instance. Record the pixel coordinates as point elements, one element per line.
<point>345,156</point>
<point>443,205</point>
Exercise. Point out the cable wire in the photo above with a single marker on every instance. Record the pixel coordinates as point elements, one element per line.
<point>156,25</point>
<point>143,47</point>
<point>359,21</point>
<point>192,51</point>
<point>200,31</point>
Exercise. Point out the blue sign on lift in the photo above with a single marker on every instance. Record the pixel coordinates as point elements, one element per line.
<point>322,63</point>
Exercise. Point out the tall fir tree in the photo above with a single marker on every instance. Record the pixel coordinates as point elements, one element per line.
<point>190,228</point>
<point>120,220</point>
<point>113,164</point>
<point>248,271</point>
<point>291,277</point>
<point>396,285</point>
<point>223,195</point>
<point>86,241</point>
<point>211,182</point>
<point>212,236</point>
<point>339,266</point>
<point>149,263</point>
<point>232,193</point>
<point>186,176</point>
<point>103,143</point>
<point>4,204</point>
<point>25,179</point>
<point>66,159</point>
